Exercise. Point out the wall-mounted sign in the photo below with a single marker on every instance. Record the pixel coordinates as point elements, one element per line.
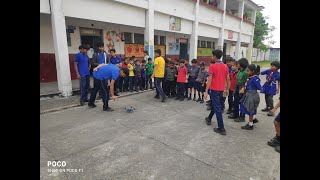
<point>137,50</point>
<point>175,23</point>
<point>90,32</point>
<point>204,51</point>
<point>230,35</point>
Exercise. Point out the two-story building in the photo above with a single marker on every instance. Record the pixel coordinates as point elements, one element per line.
<point>182,29</point>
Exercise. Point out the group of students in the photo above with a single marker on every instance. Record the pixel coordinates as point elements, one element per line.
<point>236,80</point>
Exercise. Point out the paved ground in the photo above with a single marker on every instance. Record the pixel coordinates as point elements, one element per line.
<point>158,141</point>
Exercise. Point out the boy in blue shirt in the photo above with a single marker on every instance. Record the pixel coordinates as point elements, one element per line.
<point>82,68</point>
<point>270,88</point>
<point>101,75</point>
<point>116,60</point>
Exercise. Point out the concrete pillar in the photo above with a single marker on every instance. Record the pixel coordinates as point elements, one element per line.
<point>149,30</point>
<point>238,44</point>
<point>222,6</point>
<point>61,48</point>
<point>194,35</point>
<point>250,48</point>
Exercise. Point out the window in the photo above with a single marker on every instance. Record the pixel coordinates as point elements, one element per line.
<point>199,45</point>
<point>162,40</point>
<point>68,38</point>
<point>209,44</point>
<point>203,44</point>
<point>156,40</point>
<point>213,45</point>
<point>138,38</point>
<point>127,37</point>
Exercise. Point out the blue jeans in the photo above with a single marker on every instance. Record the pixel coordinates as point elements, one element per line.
<point>84,87</point>
<point>215,97</point>
<point>157,83</point>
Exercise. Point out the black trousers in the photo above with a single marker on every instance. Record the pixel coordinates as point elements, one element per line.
<point>148,81</point>
<point>230,100</point>
<point>138,83</point>
<point>102,87</point>
<point>269,100</point>
<point>236,102</point>
<point>170,85</point>
<point>181,89</point>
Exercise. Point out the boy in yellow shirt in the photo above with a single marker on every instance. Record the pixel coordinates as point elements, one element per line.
<point>158,74</point>
<point>131,74</point>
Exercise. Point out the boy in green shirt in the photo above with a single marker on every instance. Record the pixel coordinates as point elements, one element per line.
<point>149,71</point>
<point>241,80</point>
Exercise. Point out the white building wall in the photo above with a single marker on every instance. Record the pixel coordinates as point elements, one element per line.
<point>179,8</point>
<point>247,28</point>
<point>137,3</point>
<point>208,31</point>
<point>161,22</point>
<point>232,23</point>
<point>209,16</point>
<point>245,38</point>
<point>46,37</point>
<point>44,6</point>
<point>105,11</point>
<point>235,35</point>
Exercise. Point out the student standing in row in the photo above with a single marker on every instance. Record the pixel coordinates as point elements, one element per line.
<point>201,81</point>
<point>158,74</point>
<point>149,71</point>
<point>171,83</point>
<point>233,83</point>
<point>193,74</point>
<point>82,68</point>
<point>131,74</point>
<point>182,79</point>
<point>116,60</point>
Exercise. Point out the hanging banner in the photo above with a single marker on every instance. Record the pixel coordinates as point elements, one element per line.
<point>137,50</point>
<point>204,51</point>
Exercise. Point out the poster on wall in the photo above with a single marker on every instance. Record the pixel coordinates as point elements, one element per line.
<point>174,48</point>
<point>112,37</point>
<point>204,51</point>
<point>175,23</point>
<point>137,50</point>
<point>230,35</point>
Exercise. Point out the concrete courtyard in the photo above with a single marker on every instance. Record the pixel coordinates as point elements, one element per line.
<point>158,141</point>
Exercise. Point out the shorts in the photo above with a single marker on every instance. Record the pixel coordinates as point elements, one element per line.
<point>192,82</point>
<point>277,118</point>
<point>200,88</point>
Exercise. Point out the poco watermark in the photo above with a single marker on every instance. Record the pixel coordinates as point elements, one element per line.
<point>56,167</point>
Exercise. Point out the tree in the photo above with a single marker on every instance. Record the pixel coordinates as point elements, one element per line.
<point>261,31</point>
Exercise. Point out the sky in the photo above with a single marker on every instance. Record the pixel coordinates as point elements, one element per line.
<point>272,9</point>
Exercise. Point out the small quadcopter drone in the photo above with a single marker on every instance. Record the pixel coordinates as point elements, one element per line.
<point>129,109</point>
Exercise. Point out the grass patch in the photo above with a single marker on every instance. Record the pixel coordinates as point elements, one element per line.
<point>263,64</point>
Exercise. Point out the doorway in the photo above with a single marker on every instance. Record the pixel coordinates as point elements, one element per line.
<point>224,54</point>
<point>91,37</point>
<point>184,49</point>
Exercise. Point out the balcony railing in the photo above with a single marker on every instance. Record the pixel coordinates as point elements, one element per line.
<point>209,5</point>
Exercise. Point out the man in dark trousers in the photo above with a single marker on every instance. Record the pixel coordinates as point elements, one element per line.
<point>101,75</point>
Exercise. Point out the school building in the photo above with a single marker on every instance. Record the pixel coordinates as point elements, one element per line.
<point>184,29</point>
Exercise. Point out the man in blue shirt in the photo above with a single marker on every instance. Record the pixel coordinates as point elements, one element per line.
<point>116,60</point>
<point>101,75</point>
<point>82,68</point>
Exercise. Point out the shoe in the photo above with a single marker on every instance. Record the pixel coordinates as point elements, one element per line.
<point>81,103</point>
<point>189,98</point>
<point>170,97</point>
<point>220,131</point>
<point>265,109</point>
<point>163,99</point>
<point>198,100</point>
<point>270,113</point>
<point>151,87</point>
<point>255,120</point>
<point>239,119</point>
<point>181,99</point>
<point>108,109</point>
<point>233,116</point>
<point>274,142</point>
<point>137,90</point>
<point>229,111</point>
<point>125,90</point>
<point>208,108</point>
<point>116,94</point>
<point>194,98</point>
<point>201,101</point>
<point>131,90</point>
<point>141,89</point>
<point>208,102</point>
<point>86,100</point>
<point>277,149</point>
<point>157,96</point>
<point>92,105</point>
<point>99,97</point>
<point>177,98</point>
<point>247,127</point>
<point>208,121</point>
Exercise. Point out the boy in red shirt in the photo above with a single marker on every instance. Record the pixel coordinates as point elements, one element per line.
<point>233,83</point>
<point>218,76</point>
<point>182,77</point>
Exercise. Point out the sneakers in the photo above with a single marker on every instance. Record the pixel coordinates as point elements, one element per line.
<point>208,121</point>
<point>194,98</point>
<point>198,100</point>
<point>221,131</point>
<point>240,119</point>
<point>247,127</point>
<point>181,99</point>
<point>274,142</point>
<point>208,108</point>
<point>163,99</point>
<point>265,109</point>
<point>108,109</point>
<point>92,105</point>
<point>255,120</point>
<point>177,98</point>
<point>201,101</point>
<point>277,149</point>
<point>233,116</point>
<point>157,96</point>
<point>86,100</point>
<point>270,113</point>
<point>81,103</point>
<point>229,111</point>
<point>189,98</point>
